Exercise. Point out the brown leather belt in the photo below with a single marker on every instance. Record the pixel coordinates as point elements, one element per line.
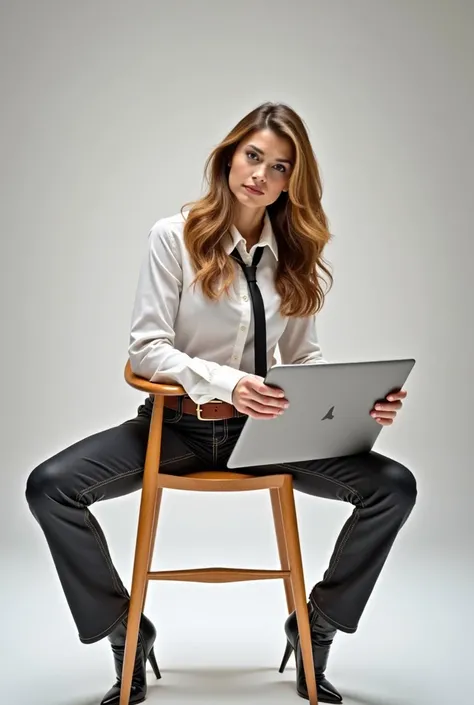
<point>211,411</point>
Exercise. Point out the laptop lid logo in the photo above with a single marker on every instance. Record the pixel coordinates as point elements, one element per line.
<point>329,415</point>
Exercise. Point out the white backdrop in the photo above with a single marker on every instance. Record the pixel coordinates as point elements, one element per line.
<point>108,112</point>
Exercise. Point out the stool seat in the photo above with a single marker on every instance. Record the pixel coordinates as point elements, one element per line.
<point>218,475</point>
<point>286,529</point>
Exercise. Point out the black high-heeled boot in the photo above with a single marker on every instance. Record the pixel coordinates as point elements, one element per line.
<point>322,635</point>
<point>145,651</point>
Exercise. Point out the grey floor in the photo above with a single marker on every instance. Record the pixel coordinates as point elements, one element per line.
<point>223,643</point>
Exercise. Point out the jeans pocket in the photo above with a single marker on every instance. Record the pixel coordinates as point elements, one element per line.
<point>173,415</point>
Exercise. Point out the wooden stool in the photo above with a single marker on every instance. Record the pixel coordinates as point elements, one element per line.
<point>284,514</point>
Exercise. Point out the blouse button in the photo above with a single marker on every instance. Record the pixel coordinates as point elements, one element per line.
<point>245,298</point>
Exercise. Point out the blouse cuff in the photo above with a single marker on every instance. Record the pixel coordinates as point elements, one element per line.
<point>224,381</point>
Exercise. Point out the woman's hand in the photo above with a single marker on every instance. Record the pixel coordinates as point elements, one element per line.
<point>253,397</point>
<point>385,413</point>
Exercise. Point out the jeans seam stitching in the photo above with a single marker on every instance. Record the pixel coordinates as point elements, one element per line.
<point>102,550</point>
<point>174,419</point>
<point>96,636</point>
<point>173,460</point>
<point>325,477</point>
<point>345,539</point>
<point>107,559</point>
<point>226,430</point>
<point>214,444</point>
<point>139,469</point>
<point>330,619</point>
<point>224,436</point>
<point>80,494</point>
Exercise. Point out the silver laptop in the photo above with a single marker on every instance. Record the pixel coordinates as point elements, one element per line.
<point>328,415</point>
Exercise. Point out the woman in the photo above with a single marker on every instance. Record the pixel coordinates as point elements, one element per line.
<point>193,322</point>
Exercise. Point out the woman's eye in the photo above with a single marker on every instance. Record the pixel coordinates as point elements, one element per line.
<point>279,167</point>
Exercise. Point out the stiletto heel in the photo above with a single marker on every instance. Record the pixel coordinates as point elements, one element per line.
<point>322,634</point>
<point>154,665</point>
<point>144,652</point>
<point>288,651</point>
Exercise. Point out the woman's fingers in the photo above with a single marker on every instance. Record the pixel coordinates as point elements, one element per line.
<point>262,410</point>
<point>254,398</point>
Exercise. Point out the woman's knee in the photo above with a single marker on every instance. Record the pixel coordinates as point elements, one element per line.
<point>42,482</point>
<point>400,483</point>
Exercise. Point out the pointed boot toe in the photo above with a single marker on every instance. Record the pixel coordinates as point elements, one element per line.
<point>322,635</point>
<point>145,651</point>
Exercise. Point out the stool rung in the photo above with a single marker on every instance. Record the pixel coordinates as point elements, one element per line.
<point>217,575</point>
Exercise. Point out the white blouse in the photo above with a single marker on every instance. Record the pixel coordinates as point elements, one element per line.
<point>179,335</point>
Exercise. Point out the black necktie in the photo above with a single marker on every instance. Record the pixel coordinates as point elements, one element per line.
<point>260,330</point>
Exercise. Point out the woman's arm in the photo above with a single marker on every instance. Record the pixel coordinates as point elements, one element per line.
<point>151,350</point>
<point>299,343</point>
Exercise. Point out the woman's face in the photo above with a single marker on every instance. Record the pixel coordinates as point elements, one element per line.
<point>263,161</point>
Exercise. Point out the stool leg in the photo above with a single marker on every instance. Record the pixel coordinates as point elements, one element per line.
<point>146,521</point>
<point>282,547</point>
<point>159,495</point>
<point>297,580</point>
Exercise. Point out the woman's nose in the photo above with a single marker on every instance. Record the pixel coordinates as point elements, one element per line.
<point>259,175</point>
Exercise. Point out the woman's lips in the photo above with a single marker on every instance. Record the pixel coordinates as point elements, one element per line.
<point>256,192</point>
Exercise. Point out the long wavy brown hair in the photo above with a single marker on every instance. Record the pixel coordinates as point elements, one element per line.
<point>297,217</point>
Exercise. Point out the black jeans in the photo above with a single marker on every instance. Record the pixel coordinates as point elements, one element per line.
<point>110,464</point>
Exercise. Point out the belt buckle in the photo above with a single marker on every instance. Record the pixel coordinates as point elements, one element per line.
<point>199,411</point>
